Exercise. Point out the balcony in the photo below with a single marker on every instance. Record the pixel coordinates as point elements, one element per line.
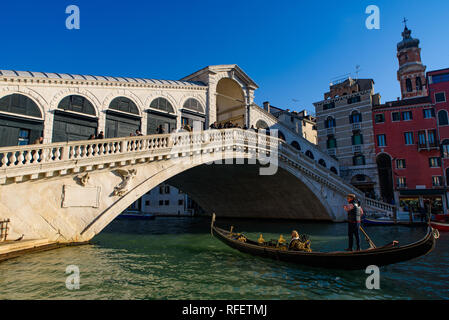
<point>357,149</point>
<point>426,146</point>
<point>332,152</point>
<point>330,131</point>
<point>356,126</point>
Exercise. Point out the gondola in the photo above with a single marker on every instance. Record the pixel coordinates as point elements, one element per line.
<point>357,260</point>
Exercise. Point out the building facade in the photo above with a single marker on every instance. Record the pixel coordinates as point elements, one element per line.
<point>407,132</point>
<point>345,131</point>
<point>300,122</point>
<point>165,200</point>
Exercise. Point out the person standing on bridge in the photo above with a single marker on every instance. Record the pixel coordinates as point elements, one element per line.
<point>355,213</point>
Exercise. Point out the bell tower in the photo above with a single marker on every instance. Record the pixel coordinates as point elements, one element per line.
<point>411,73</point>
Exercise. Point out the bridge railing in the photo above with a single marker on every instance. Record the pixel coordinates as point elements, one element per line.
<point>57,152</point>
<point>102,149</point>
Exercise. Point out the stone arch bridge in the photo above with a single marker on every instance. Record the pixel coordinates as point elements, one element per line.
<point>69,192</point>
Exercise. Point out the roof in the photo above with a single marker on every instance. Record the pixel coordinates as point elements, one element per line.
<point>407,40</point>
<point>364,84</point>
<point>405,102</point>
<point>224,67</point>
<point>68,76</point>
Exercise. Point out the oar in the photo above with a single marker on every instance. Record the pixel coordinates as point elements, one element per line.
<point>368,239</point>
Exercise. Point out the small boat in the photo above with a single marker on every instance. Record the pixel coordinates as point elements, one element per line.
<point>440,226</point>
<point>357,260</point>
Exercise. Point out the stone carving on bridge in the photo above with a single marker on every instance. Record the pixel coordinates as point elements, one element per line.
<point>127,176</point>
<point>83,180</point>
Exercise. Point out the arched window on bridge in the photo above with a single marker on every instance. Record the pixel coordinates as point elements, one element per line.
<point>21,120</point>
<point>193,105</point>
<point>74,120</point>
<point>322,162</point>
<point>192,114</point>
<point>161,113</point>
<point>122,118</point>
<point>261,125</point>
<point>334,170</point>
<point>296,145</point>
<point>310,154</point>
<point>124,105</point>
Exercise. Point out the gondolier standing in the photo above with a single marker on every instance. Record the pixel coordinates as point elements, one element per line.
<point>355,213</point>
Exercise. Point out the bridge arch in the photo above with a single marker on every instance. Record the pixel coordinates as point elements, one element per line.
<point>295,194</point>
<point>231,104</point>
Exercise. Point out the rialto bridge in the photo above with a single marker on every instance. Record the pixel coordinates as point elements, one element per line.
<point>68,189</point>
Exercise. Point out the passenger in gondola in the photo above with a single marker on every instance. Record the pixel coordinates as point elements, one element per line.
<point>295,242</point>
<point>355,213</point>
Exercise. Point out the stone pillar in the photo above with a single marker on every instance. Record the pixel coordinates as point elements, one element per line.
<point>48,126</point>
<point>144,122</point>
<point>211,102</point>
<point>102,122</point>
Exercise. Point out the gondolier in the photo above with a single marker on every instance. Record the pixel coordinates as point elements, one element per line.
<point>355,213</point>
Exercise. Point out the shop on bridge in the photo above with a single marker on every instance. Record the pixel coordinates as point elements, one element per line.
<point>74,120</point>
<point>122,118</point>
<point>161,113</point>
<point>21,121</point>
<point>192,114</point>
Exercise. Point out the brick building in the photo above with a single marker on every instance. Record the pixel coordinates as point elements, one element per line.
<point>408,153</point>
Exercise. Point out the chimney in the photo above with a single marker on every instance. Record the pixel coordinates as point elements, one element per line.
<point>266,106</point>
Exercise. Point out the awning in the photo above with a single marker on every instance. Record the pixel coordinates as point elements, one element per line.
<point>423,192</point>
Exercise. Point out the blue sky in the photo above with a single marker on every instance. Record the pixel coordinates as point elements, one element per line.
<point>291,49</point>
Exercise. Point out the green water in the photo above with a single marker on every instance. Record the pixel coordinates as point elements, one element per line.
<point>176,258</point>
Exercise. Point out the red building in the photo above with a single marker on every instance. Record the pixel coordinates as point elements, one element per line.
<point>407,143</point>
<point>438,84</point>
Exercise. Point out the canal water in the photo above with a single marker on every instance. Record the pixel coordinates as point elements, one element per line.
<point>177,258</point>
